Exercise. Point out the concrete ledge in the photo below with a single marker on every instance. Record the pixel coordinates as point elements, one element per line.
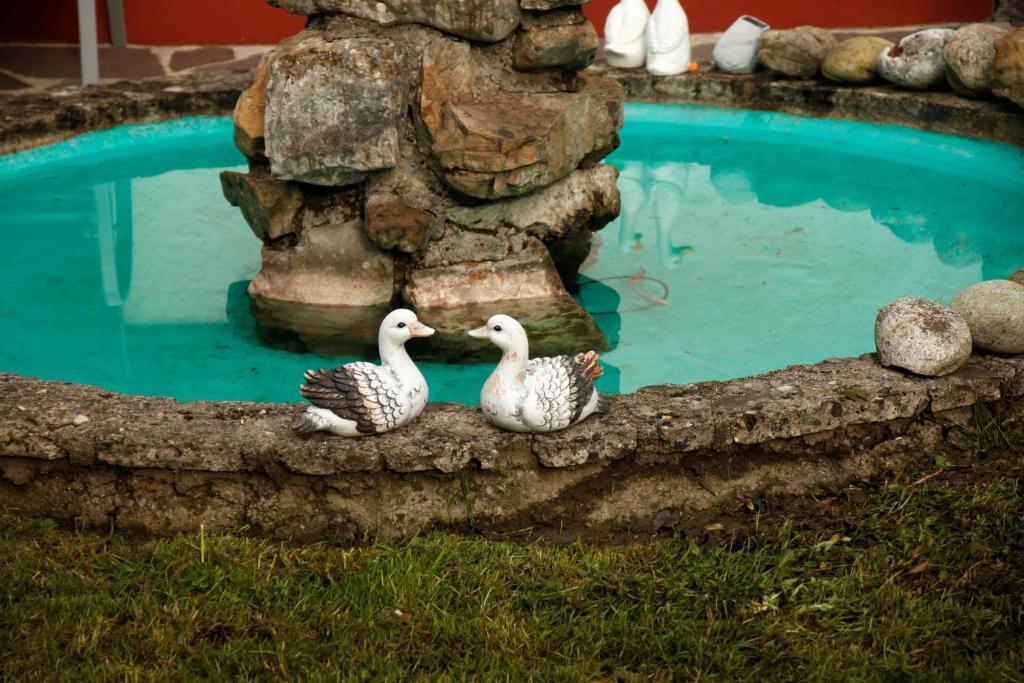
<point>161,467</point>
<point>940,112</point>
<point>44,118</point>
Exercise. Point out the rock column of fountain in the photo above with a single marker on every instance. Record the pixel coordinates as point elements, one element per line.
<point>442,154</point>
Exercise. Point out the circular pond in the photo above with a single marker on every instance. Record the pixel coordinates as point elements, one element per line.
<point>748,241</point>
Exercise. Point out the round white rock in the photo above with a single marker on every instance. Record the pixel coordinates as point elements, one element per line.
<point>994,310</point>
<point>922,336</point>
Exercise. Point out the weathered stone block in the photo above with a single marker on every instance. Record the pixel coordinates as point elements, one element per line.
<point>518,143</point>
<point>483,20</point>
<point>272,208</point>
<point>516,276</point>
<point>584,201</point>
<point>393,224</point>
<point>332,282</point>
<point>562,39</point>
<point>334,109</point>
<point>249,111</point>
<point>1008,67</point>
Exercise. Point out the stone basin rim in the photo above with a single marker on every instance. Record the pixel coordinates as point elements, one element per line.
<point>164,466</point>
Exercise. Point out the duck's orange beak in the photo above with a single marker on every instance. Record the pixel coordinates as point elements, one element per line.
<point>418,329</point>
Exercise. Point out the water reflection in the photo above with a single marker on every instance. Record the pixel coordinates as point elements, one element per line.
<point>794,248</point>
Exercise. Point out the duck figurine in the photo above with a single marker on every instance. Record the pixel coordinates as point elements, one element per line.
<point>625,34</point>
<point>668,40</point>
<point>539,395</point>
<point>360,399</point>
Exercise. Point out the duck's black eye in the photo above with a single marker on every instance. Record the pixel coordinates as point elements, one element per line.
<point>497,328</point>
<point>401,325</point>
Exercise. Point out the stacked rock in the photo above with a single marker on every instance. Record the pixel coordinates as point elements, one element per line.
<point>441,152</point>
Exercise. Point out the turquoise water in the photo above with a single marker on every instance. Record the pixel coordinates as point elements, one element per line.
<point>748,241</point>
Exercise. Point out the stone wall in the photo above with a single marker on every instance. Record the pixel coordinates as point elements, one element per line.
<point>671,452</point>
<point>439,154</point>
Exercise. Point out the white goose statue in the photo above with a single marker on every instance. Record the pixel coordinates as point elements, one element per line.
<point>360,399</point>
<point>668,40</point>
<point>539,395</point>
<point>625,34</point>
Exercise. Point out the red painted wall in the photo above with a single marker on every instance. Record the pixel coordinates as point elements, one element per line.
<point>239,22</point>
<point>153,22</point>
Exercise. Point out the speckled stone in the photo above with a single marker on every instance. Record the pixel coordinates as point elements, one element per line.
<point>855,60</point>
<point>969,55</point>
<point>916,62</point>
<point>994,310</point>
<point>1017,277</point>
<point>798,52</point>
<point>922,336</point>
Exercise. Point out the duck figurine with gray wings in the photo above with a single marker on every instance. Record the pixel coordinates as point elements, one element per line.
<point>539,395</point>
<point>360,399</point>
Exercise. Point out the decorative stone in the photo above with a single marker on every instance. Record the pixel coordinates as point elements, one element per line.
<point>393,223</point>
<point>484,20</point>
<point>515,144</point>
<point>272,208</point>
<point>584,201</point>
<point>562,39</point>
<point>994,310</point>
<point>522,269</point>
<point>798,52</point>
<point>736,51</point>
<point>1017,277</point>
<point>854,60</point>
<point>917,61</point>
<point>248,114</point>
<point>544,5</point>
<point>1008,67</point>
<point>523,282</point>
<point>334,109</point>
<point>969,55</point>
<point>922,336</point>
<point>329,280</point>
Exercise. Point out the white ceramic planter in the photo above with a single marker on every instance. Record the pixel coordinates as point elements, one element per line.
<point>625,34</point>
<point>668,40</point>
<point>736,51</point>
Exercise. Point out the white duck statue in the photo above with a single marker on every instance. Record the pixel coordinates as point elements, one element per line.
<point>538,395</point>
<point>668,40</point>
<point>360,399</point>
<point>625,34</point>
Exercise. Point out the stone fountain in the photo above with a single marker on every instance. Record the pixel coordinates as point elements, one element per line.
<point>441,154</point>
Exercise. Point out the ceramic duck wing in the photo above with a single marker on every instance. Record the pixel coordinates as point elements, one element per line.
<point>559,391</point>
<point>373,398</point>
<point>539,395</point>
<point>625,34</point>
<point>360,399</point>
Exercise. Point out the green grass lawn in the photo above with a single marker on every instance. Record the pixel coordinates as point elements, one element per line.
<point>902,579</point>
